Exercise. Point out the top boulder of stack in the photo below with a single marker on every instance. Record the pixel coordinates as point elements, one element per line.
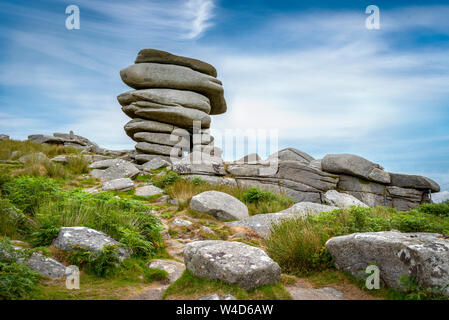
<point>159,56</point>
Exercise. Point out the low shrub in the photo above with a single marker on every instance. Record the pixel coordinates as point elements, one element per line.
<point>17,281</point>
<point>13,223</point>
<point>27,192</point>
<point>102,264</point>
<point>438,209</point>
<point>130,221</point>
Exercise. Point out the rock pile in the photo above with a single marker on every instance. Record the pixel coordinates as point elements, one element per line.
<point>174,99</point>
<point>299,175</point>
<point>72,140</point>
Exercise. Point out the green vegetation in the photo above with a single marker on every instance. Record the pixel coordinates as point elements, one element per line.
<point>50,208</point>
<point>17,281</point>
<point>298,244</point>
<point>129,277</point>
<point>189,286</point>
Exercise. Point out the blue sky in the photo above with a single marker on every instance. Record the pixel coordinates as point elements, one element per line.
<point>307,68</point>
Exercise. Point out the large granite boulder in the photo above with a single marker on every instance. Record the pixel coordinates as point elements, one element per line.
<point>353,165</point>
<point>221,205</point>
<point>155,75</point>
<point>148,191</point>
<point>232,262</point>
<point>262,223</point>
<point>70,237</point>
<point>413,182</point>
<point>342,200</point>
<point>159,56</point>
<point>424,256</point>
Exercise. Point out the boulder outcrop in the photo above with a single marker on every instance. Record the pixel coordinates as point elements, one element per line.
<point>423,256</point>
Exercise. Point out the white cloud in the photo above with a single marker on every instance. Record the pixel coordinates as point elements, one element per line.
<point>440,196</point>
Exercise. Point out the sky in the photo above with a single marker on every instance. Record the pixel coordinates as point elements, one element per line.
<point>309,69</point>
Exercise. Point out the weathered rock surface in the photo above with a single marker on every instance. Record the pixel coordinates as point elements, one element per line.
<point>39,157</point>
<point>178,116</point>
<point>155,164</point>
<point>45,266</point>
<point>221,205</point>
<point>154,75</point>
<point>158,149</point>
<point>143,125</point>
<point>232,262</point>
<point>86,238</point>
<point>424,256</point>
<point>163,138</point>
<point>159,56</point>
<point>200,163</point>
<point>148,191</point>
<point>342,200</point>
<point>172,267</point>
<point>116,169</point>
<point>291,154</point>
<point>163,98</point>
<point>413,182</point>
<point>262,223</point>
<point>121,184</point>
<point>355,166</point>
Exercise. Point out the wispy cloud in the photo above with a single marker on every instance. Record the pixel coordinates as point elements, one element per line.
<point>201,11</point>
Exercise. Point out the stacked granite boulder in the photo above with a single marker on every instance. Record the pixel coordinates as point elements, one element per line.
<point>173,99</point>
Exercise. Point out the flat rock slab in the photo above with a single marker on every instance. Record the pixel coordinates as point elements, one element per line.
<point>115,169</point>
<point>414,182</point>
<point>342,200</point>
<point>305,293</point>
<point>155,164</point>
<point>221,205</point>
<point>86,238</point>
<point>159,56</point>
<point>232,262</point>
<point>172,267</point>
<point>424,256</point>
<point>148,191</point>
<point>262,223</point>
<point>122,184</point>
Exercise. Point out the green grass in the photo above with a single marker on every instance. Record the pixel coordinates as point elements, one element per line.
<point>189,286</point>
<point>131,276</point>
<point>36,166</point>
<point>14,149</point>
